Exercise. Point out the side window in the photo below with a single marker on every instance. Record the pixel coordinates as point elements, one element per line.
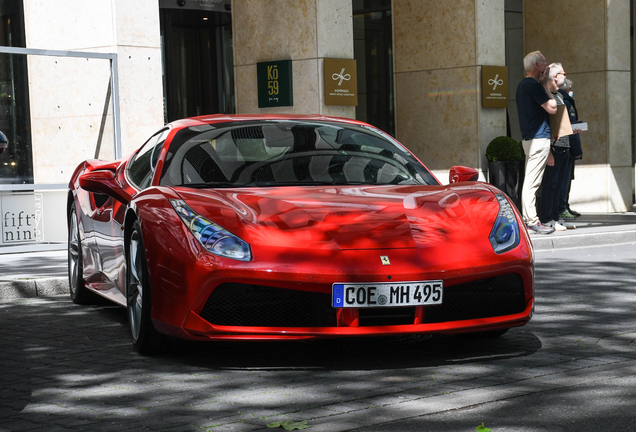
<point>143,165</point>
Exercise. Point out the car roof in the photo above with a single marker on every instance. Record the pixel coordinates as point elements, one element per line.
<point>223,118</point>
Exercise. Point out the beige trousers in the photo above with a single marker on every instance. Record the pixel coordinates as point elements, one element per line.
<point>537,151</point>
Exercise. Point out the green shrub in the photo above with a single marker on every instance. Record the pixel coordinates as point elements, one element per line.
<point>504,148</point>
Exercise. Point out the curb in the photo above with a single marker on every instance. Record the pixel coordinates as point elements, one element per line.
<point>28,288</point>
<point>11,289</point>
<point>571,240</point>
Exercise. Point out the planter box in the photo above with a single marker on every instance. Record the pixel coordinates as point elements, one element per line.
<point>508,176</point>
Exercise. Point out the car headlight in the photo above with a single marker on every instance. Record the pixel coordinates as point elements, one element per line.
<point>505,232</point>
<point>212,237</point>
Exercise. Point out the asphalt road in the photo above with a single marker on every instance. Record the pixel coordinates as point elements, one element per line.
<point>573,368</point>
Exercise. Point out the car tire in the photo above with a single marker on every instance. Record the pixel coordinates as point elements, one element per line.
<point>145,339</point>
<point>77,285</point>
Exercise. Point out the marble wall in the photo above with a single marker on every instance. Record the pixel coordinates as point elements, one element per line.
<point>71,114</point>
<point>594,47</point>
<point>304,31</point>
<point>439,50</point>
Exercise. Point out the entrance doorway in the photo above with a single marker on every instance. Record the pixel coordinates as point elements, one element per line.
<point>198,69</point>
<point>373,51</point>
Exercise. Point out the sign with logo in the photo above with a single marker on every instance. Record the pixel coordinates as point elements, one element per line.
<point>275,84</point>
<point>341,82</point>
<point>22,218</point>
<point>494,87</point>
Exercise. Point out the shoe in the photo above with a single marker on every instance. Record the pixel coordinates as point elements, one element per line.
<point>540,229</point>
<point>566,215</point>
<point>556,225</point>
<point>574,213</point>
<point>567,225</point>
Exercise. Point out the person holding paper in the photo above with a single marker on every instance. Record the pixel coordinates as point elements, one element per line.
<point>555,172</point>
<point>534,103</point>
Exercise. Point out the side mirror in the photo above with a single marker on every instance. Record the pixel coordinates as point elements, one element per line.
<point>462,174</point>
<point>104,182</point>
<point>4,142</point>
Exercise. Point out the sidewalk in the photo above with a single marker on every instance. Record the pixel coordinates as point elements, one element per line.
<point>42,274</point>
<point>592,229</point>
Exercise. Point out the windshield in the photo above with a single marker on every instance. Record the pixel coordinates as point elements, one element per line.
<point>288,153</point>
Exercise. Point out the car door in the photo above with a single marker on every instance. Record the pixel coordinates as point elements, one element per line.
<point>108,220</point>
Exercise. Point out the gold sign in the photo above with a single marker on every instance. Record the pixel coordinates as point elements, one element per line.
<point>341,82</point>
<point>494,87</point>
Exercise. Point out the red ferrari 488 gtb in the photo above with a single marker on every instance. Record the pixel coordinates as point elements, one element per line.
<point>290,227</point>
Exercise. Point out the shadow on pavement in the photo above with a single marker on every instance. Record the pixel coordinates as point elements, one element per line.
<point>356,354</point>
<point>69,367</point>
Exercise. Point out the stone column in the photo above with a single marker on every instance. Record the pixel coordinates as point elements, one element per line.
<point>304,31</point>
<point>591,38</point>
<point>439,51</point>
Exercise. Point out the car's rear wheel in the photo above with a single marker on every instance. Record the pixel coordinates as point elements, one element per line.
<point>77,286</point>
<point>146,340</point>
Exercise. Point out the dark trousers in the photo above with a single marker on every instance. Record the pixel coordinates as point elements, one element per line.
<point>553,178</point>
<point>565,186</point>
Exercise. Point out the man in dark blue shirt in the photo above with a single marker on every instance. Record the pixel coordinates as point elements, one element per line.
<point>534,103</point>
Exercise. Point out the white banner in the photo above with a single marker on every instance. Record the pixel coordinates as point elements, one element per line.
<point>22,218</point>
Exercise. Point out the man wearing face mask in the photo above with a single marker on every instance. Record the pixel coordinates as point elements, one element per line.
<point>534,103</point>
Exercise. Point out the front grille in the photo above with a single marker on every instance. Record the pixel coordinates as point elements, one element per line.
<point>497,296</point>
<point>233,304</point>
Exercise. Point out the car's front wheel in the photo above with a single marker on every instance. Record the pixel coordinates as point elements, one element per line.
<point>146,340</point>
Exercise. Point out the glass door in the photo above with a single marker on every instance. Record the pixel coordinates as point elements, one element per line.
<point>198,69</point>
<point>187,99</point>
<point>16,161</point>
<point>373,51</point>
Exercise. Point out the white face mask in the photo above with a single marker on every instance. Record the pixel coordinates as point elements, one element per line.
<point>571,94</point>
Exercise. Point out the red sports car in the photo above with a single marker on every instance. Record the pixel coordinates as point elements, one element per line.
<point>253,227</point>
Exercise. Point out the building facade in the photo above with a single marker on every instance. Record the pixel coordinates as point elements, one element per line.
<point>419,66</point>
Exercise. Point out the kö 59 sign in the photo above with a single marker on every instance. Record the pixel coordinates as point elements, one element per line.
<point>275,84</point>
<point>272,80</point>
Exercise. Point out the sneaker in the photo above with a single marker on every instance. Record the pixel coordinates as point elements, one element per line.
<point>567,225</point>
<point>574,213</point>
<point>566,215</point>
<point>540,229</point>
<point>556,225</point>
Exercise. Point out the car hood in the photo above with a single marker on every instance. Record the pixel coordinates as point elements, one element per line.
<point>348,217</point>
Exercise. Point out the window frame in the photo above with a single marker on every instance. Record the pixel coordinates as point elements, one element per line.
<point>154,144</point>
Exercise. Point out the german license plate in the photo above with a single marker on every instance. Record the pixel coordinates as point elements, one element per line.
<point>346,295</point>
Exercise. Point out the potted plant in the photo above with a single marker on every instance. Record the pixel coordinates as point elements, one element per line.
<point>506,166</point>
